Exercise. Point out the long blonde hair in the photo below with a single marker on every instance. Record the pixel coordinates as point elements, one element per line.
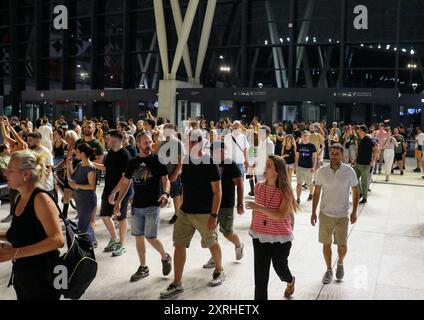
<point>32,162</point>
<point>293,142</point>
<point>283,182</point>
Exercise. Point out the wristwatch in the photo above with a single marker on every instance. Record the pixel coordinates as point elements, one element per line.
<point>214,215</point>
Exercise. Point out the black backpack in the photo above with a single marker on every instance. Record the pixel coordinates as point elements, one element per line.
<point>79,261</point>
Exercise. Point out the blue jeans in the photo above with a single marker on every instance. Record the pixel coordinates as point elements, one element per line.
<point>241,167</point>
<point>145,222</point>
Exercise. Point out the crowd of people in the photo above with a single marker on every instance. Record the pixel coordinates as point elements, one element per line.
<point>202,167</point>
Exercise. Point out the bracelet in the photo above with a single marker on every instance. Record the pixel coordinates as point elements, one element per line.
<point>16,253</point>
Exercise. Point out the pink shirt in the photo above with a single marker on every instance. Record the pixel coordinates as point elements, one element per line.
<point>381,136</point>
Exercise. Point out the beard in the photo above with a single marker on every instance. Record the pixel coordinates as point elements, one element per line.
<point>87,133</point>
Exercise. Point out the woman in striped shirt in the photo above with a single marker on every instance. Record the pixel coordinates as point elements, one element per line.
<point>271,228</point>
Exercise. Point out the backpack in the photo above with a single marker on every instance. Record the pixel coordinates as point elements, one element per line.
<point>79,261</point>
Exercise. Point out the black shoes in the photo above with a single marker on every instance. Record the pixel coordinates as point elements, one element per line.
<point>363,201</point>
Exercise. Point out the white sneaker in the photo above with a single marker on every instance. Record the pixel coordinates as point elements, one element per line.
<point>210,264</point>
<point>240,252</point>
<point>217,279</point>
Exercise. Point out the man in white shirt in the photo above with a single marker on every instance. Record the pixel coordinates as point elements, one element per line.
<point>265,149</point>
<point>237,146</point>
<point>35,144</point>
<point>46,135</point>
<point>419,141</point>
<point>335,182</point>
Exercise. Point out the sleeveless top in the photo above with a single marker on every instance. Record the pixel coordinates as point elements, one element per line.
<point>291,155</point>
<point>59,151</point>
<point>27,230</point>
<point>264,229</point>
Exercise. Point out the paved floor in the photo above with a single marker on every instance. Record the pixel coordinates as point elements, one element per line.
<point>385,258</point>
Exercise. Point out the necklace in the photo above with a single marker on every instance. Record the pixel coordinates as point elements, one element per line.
<point>266,199</point>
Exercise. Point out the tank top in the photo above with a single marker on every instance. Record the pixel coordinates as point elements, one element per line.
<point>27,230</point>
<point>291,156</point>
<point>59,152</point>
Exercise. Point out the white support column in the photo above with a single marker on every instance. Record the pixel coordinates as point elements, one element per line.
<point>161,33</point>
<point>204,39</point>
<point>176,11</point>
<point>185,32</point>
<point>274,49</point>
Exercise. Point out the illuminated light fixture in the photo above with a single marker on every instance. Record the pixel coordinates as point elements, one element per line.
<point>412,52</point>
<point>388,47</point>
<point>338,41</point>
<point>329,40</point>
<point>379,46</point>
<point>371,47</point>
<point>395,49</point>
<point>315,39</point>
<point>362,44</point>
<point>102,94</point>
<point>266,42</point>
<point>225,69</point>
<point>403,50</point>
<point>307,38</point>
<point>78,66</point>
<point>288,38</point>
<point>281,40</point>
<point>221,57</point>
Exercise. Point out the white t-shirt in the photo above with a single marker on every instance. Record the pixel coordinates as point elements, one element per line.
<point>235,149</point>
<point>46,137</point>
<point>265,149</point>
<point>335,189</point>
<point>47,183</point>
<point>420,139</point>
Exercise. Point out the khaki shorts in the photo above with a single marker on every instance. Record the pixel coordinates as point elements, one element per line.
<point>303,175</point>
<point>226,220</point>
<point>333,226</point>
<point>187,224</point>
<point>418,154</point>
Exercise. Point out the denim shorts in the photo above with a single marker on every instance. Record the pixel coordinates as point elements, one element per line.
<point>145,222</point>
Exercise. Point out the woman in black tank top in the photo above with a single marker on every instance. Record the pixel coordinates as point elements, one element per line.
<point>59,146</point>
<point>35,234</point>
<point>288,153</point>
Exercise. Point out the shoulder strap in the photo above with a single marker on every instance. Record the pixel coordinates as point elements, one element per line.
<point>234,139</point>
<point>38,191</point>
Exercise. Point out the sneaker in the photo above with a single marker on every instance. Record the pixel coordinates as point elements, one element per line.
<point>210,264</point>
<point>298,201</point>
<point>111,245</point>
<point>141,273</point>
<point>290,289</point>
<point>239,253</point>
<point>171,291</point>
<point>173,219</point>
<point>363,201</point>
<point>7,219</point>
<point>305,186</point>
<point>167,265</point>
<point>217,278</point>
<point>387,178</point>
<point>416,170</point>
<point>251,194</point>
<point>328,277</point>
<point>401,172</point>
<point>119,250</point>
<point>310,197</point>
<point>339,272</point>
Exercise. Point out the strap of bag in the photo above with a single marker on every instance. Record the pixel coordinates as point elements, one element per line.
<point>237,143</point>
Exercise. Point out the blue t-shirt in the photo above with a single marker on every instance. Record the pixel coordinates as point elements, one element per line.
<point>306,151</point>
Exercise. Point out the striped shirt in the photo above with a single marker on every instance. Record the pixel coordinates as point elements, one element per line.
<point>264,228</point>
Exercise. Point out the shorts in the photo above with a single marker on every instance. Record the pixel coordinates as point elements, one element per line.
<point>226,220</point>
<point>290,166</point>
<point>333,226</point>
<point>106,209</point>
<point>176,188</point>
<point>304,175</point>
<point>145,222</point>
<point>187,224</point>
<point>398,156</point>
<point>418,154</point>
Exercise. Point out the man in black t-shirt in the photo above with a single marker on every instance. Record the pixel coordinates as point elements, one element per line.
<point>115,165</point>
<point>151,193</point>
<point>306,158</point>
<point>202,198</point>
<point>367,153</point>
<point>231,177</point>
<point>279,139</point>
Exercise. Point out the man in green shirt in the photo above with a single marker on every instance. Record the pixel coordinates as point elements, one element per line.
<point>400,149</point>
<point>88,130</point>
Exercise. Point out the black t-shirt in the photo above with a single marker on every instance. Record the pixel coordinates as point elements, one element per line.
<point>146,174</point>
<point>296,134</point>
<point>278,144</point>
<point>116,164</point>
<point>197,188</point>
<point>228,172</point>
<point>132,150</point>
<point>365,151</point>
<point>306,151</point>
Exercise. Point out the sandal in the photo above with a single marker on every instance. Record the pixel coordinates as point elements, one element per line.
<point>290,289</point>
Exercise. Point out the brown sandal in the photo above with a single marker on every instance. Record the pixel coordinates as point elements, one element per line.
<point>290,289</point>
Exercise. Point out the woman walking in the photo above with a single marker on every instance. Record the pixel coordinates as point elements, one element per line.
<point>272,227</point>
<point>59,146</point>
<point>83,181</point>
<point>389,154</point>
<point>288,153</point>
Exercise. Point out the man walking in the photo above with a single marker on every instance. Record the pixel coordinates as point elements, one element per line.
<point>306,157</point>
<point>334,182</point>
